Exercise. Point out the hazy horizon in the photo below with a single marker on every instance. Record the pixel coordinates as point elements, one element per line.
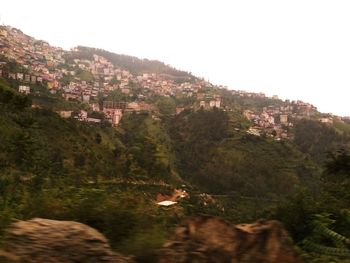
<point>296,50</point>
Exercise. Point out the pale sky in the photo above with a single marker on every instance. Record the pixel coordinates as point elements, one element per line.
<point>297,49</point>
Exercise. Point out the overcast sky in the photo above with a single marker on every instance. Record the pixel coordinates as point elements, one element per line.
<point>294,49</point>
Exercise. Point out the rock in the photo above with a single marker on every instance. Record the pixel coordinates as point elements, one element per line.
<point>50,241</point>
<point>6,257</point>
<point>205,239</point>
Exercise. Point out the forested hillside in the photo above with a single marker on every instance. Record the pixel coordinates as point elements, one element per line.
<point>211,153</point>
<point>319,140</point>
<point>65,169</point>
<point>109,177</point>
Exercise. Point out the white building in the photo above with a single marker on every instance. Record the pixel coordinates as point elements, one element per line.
<point>24,89</point>
<point>65,114</point>
<point>284,119</point>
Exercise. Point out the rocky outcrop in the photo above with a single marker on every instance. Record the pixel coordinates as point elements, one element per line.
<point>6,257</point>
<point>51,241</point>
<point>200,239</point>
<point>205,239</point>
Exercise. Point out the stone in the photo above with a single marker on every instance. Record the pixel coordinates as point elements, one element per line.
<point>205,239</point>
<point>50,241</point>
<point>6,257</point>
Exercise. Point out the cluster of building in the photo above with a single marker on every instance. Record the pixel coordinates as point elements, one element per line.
<point>273,124</point>
<point>107,78</point>
<point>88,79</point>
<point>208,101</point>
<point>276,120</point>
<point>85,79</point>
<point>37,57</point>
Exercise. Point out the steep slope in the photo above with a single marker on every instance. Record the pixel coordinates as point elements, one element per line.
<point>64,169</point>
<point>318,139</point>
<point>35,139</point>
<point>133,64</point>
<point>109,177</point>
<point>212,154</point>
<point>150,148</point>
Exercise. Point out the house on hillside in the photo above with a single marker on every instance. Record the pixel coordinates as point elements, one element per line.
<point>27,78</point>
<point>284,119</point>
<point>117,116</point>
<point>169,200</point>
<point>179,110</point>
<point>12,75</point>
<point>71,96</point>
<point>65,114</point>
<point>24,89</point>
<point>326,120</point>
<point>254,131</point>
<point>113,111</point>
<point>33,79</point>
<point>20,76</point>
<point>133,107</point>
<point>82,115</point>
<point>93,120</point>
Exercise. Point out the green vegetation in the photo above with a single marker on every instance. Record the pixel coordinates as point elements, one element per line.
<point>220,159</point>
<point>63,169</point>
<point>108,178</point>
<point>117,96</point>
<point>11,100</point>
<point>320,222</point>
<point>318,139</point>
<point>166,105</point>
<point>341,127</point>
<point>149,147</point>
<point>12,66</point>
<point>84,75</point>
<point>134,65</point>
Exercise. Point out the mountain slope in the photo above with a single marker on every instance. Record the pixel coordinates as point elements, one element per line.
<point>214,155</point>
<point>133,64</point>
<point>318,139</point>
<point>64,169</point>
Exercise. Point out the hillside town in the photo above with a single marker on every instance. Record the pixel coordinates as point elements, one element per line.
<point>113,91</point>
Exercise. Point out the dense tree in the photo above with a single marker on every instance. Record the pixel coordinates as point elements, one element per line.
<point>108,178</point>
<point>318,139</point>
